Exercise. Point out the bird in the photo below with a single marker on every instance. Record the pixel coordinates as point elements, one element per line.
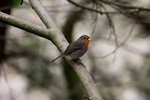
<point>76,49</point>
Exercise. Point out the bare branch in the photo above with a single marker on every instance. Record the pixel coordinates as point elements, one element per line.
<point>125,6</point>
<point>91,9</point>
<point>86,80</point>
<point>123,42</point>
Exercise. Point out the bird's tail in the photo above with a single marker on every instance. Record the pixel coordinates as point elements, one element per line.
<point>58,57</point>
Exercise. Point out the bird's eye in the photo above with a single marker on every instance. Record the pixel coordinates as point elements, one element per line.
<point>84,37</point>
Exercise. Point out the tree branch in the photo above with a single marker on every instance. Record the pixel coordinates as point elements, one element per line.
<point>34,29</point>
<point>55,35</point>
<point>124,5</point>
<point>91,9</point>
<point>85,78</point>
<point>130,8</point>
<point>60,41</point>
<point>41,12</point>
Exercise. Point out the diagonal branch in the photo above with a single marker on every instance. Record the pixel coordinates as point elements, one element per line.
<point>85,78</point>
<point>48,21</point>
<point>60,41</point>
<point>34,29</point>
<point>55,35</point>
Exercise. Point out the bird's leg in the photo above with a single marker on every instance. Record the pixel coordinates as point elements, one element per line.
<point>77,61</point>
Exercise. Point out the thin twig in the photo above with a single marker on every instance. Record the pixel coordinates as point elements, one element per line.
<point>111,24</point>
<point>130,9</point>
<point>90,9</point>
<point>94,21</point>
<point>122,43</point>
<point>121,5</point>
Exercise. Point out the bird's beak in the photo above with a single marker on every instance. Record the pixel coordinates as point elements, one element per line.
<point>89,38</point>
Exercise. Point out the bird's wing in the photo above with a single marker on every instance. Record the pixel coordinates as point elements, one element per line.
<point>73,47</point>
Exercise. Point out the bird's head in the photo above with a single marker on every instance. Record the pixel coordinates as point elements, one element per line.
<point>84,37</point>
<point>85,40</point>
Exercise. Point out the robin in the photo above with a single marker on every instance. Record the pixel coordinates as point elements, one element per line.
<point>76,49</point>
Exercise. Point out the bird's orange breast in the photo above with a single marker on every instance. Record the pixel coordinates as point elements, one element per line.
<point>86,43</point>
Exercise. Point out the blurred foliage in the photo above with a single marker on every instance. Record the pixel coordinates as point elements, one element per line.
<point>15,3</point>
<point>38,75</point>
<point>140,78</point>
<point>70,23</point>
<point>34,65</point>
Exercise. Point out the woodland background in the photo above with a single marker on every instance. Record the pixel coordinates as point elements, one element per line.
<point>118,58</point>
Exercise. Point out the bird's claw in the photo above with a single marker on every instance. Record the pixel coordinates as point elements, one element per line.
<point>77,61</point>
